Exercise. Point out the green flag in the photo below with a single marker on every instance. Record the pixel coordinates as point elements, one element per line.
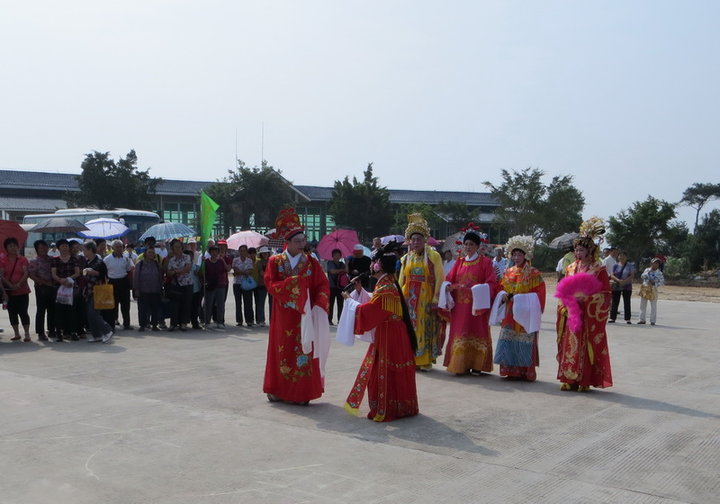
<point>208,209</point>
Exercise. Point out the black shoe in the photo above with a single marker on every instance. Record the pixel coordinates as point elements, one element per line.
<point>628,322</point>
<point>127,327</point>
<point>155,328</point>
<point>75,337</point>
<point>641,322</point>
<point>611,321</point>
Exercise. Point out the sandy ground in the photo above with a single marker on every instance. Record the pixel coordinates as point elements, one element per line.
<point>708,294</point>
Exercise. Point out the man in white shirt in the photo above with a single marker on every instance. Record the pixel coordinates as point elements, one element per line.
<point>500,262</point>
<point>119,269</point>
<point>610,258</point>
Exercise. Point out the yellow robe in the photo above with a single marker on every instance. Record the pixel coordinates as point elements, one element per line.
<point>420,279</point>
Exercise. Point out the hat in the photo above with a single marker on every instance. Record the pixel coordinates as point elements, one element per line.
<point>221,242</point>
<point>524,244</point>
<point>191,240</point>
<point>655,260</point>
<point>591,232</point>
<point>358,247</point>
<point>288,224</point>
<point>416,225</point>
<point>264,249</point>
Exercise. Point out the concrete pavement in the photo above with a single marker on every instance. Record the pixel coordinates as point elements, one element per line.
<point>181,418</point>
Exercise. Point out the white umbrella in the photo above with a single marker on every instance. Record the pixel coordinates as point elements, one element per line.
<point>104,228</point>
<point>248,238</point>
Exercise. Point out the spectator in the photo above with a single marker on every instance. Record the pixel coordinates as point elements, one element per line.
<point>338,280</point>
<point>242,267</point>
<point>161,251</point>
<point>95,272</point>
<point>215,271</point>
<point>652,278</point>
<point>500,263</point>
<point>358,264</point>
<point>65,271</point>
<point>178,276</point>
<point>448,261</point>
<point>197,292</point>
<point>130,252</point>
<point>78,302</point>
<point>260,292</point>
<point>101,245</point>
<point>621,285</point>
<point>147,287</point>
<point>40,271</point>
<point>14,274</point>
<point>192,247</point>
<point>120,270</point>
<point>610,258</point>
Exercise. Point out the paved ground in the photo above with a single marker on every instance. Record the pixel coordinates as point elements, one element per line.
<point>180,418</point>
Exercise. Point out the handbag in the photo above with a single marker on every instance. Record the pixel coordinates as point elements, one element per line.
<point>343,280</point>
<point>648,292</point>
<point>103,297</point>
<point>64,295</point>
<point>247,283</point>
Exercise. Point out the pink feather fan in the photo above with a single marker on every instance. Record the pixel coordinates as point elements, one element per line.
<point>571,291</point>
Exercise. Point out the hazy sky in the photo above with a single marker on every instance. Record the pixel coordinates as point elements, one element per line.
<point>623,95</point>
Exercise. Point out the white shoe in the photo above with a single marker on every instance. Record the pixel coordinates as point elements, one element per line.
<point>107,337</point>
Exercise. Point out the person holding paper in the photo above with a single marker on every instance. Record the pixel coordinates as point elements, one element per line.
<point>470,286</point>
<point>523,297</point>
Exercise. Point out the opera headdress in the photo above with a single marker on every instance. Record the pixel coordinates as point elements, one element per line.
<point>417,225</point>
<point>523,243</point>
<point>591,235</point>
<point>288,224</point>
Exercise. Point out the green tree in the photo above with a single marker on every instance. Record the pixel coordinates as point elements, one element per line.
<point>703,249</point>
<point>251,197</point>
<point>400,221</point>
<point>647,228</point>
<point>363,206</point>
<point>697,195</point>
<point>457,214</point>
<point>105,183</point>
<point>530,207</point>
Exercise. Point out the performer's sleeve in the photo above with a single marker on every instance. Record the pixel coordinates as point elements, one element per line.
<point>320,288</point>
<point>368,316</point>
<point>401,276</point>
<point>540,291</point>
<point>439,274</point>
<point>286,290</point>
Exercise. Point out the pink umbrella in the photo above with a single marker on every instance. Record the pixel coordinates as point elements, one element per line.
<point>248,238</point>
<point>343,239</point>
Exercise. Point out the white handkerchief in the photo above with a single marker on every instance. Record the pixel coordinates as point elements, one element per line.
<point>481,296</point>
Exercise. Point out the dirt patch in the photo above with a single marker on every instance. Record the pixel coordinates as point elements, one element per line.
<point>707,294</point>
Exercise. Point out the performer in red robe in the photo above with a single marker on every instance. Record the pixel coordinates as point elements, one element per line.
<point>299,289</point>
<point>470,345</point>
<point>583,357</point>
<point>388,369</point>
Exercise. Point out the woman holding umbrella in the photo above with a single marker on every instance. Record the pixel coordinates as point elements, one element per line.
<point>180,284</point>
<point>65,271</point>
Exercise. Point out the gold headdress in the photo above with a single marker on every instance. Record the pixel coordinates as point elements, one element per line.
<point>520,242</point>
<point>416,225</point>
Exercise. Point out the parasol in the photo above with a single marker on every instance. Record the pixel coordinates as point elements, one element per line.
<point>59,225</point>
<point>564,241</point>
<point>11,229</point>
<point>343,239</point>
<point>167,231</point>
<point>248,238</point>
<point>104,228</point>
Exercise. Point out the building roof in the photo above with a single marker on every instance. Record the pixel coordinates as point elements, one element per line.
<point>68,182</point>
<point>317,193</point>
<point>14,204</point>
<point>171,187</point>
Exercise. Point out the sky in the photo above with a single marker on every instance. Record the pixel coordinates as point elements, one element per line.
<point>622,95</point>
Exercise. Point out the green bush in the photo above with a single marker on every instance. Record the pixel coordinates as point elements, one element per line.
<point>677,267</point>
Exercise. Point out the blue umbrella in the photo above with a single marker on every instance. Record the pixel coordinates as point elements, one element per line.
<point>167,231</point>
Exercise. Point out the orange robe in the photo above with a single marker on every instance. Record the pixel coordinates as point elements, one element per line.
<point>291,374</point>
<point>388,369</point>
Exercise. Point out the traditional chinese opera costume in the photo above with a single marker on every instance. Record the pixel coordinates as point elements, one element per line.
<point>298,338</point>
<point>388,369</point>
<point>524,288</point>
<point>582,314</point>
<point>421,275</point>
<point>469,346</point>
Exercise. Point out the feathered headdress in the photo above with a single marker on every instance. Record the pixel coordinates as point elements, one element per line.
<point>591,235</point>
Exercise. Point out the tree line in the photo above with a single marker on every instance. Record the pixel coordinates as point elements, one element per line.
<point>252,197</point>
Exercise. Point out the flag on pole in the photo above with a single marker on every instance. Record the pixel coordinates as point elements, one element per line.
<point>208,210</point>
